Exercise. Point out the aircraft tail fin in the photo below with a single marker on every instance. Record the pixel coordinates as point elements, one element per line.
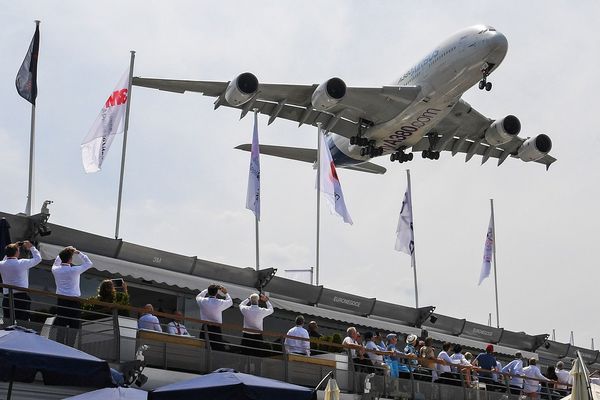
<point>309,156</point>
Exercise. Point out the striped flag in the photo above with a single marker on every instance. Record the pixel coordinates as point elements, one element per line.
<point>253,195</point>
<point>330,183</point>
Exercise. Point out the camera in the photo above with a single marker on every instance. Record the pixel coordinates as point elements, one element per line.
<point>20,244</point>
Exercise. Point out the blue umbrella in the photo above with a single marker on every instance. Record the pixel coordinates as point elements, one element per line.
<point>23,353</point>
<point>232,385</point>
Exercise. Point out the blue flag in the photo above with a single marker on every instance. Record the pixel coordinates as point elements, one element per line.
<point>26,81</point>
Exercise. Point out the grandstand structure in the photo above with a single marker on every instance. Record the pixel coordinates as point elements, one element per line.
<point>171,281</point>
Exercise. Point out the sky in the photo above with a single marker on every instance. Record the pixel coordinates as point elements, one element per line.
<point>185,185</point>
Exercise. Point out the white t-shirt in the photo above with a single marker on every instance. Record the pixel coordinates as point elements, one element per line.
<point>563,377</point>
<point>348,340</point>
<point>254,315</point>
<point>446,358</point>
<point>515,367</point>
<point>297,345</point>
<point>211,308</point>
<point>530,385</point>
<point>16,272</point>
<point>67,276</point>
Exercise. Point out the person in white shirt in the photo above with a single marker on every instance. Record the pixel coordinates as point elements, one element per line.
<point>564,378</point>
<point>515,369</point>
<point>148,320</point>
<point>66,276</point>
<point>462,365</point>
<point>211,311</point>
<point>15,272</point>
<point>375,354</point>
<point>295,344</point>
<point>444,369</point>
<point>175,327</point>
<point>531,386</point>
<point>356,351</point>
<point>252,338</point>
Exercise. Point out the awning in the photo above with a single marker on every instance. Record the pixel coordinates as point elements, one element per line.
<point>343,317</point>
<point>148,273</point>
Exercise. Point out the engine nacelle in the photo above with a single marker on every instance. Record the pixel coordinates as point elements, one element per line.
<point>503,130</point>
<point>328,94</point>
<point>241,89</point>
<point>535,148</point>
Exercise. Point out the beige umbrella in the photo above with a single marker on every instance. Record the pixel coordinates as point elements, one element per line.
<point>582,389</point>
<point>332,391</point>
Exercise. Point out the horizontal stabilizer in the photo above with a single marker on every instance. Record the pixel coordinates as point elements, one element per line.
<point>309,156</point>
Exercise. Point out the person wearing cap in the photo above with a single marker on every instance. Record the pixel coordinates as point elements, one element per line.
<point>411,350</point>
<point>531,386</point>
<point>515,369</point>
<point>254,315</point>
<point>487,362</point>
<point>15,272</point>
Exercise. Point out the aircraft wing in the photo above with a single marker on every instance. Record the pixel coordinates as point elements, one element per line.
<point>293,102</point>
<point>309,156</point>
<point>463,131</point>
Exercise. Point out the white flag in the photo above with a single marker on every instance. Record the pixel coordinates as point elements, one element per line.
<point>330,184</point>
<point>109,122</point>
<point>405,236</point>
<point>487,252</point>
<point>253,195</point>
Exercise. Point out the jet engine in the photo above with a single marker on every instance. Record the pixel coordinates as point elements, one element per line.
<point>328,94</point>
<point>535,148</point>
<point>241,89</point>
<point>503,130</point>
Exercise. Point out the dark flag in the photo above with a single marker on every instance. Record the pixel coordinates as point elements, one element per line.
<point>27,76</point>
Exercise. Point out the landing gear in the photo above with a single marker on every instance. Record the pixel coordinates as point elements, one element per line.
<point>432,155</point>
<point>483,83</point>
<point>401,156</point>
<point>370,150</point>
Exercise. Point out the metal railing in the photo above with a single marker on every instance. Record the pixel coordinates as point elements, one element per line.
<point>114,338</point>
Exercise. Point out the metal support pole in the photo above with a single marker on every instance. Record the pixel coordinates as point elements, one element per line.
<point>318,197</point>
<point>116,334</point>
<point>11,306</point>
<point>124,152</point>
<point>413,257</point>
<point>495,273</point>
<point>312,277</point>
<point>257,249</point>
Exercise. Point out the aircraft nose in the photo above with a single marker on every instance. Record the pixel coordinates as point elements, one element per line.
<point>498,42</point>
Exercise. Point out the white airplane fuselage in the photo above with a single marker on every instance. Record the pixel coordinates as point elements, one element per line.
<point>444,75</point>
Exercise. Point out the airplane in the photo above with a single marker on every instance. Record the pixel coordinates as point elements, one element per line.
<point>422,112</point>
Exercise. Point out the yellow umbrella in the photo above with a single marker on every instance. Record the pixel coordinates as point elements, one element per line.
<point>332,391</point>
<point>581,389</point>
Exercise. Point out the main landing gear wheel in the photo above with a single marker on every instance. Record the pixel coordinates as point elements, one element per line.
<point>488,86</point>
<point>401,157</point>
<point>432,155</point>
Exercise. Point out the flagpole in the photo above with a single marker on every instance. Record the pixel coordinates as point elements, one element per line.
<point>413,257</point>
<point>255,216</point>
<point>125,129</point>
<point>494,253</point>
<point>318,199</point>
<point>31,151</point>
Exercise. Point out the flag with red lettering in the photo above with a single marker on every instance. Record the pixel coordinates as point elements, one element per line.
<point>488,249</point>
<point>253,194</point>
<point>330,183</point>
<point>110,122</point>
<point>26,81</point>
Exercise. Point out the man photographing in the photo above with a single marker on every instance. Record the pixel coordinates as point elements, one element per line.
<point>67,277</point>
<point>15,272</point>
<point>211,311</point>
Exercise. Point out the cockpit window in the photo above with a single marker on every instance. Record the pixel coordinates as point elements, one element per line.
<point>482,31</point>
<point>492,29</point>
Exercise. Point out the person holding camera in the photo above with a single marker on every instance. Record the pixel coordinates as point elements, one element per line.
<point>252,338</point>
<point>15,272</point>
<point>211,311</point>
<point>67,278</point>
